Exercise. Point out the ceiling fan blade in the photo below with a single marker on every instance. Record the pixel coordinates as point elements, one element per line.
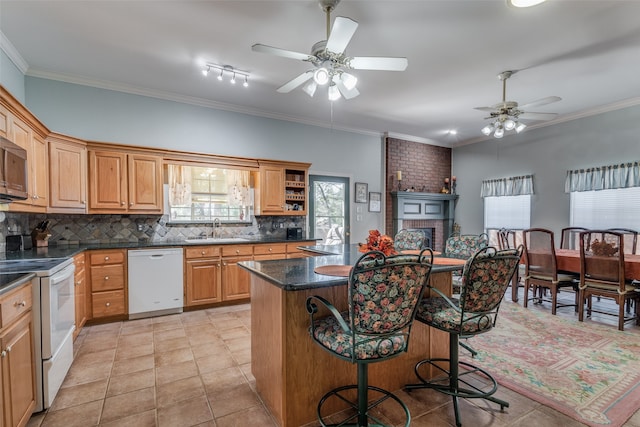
<point>537,116</point>
<point>489,109</point>
<point>262,48</point>
<point>378,63</point>
<point>291,85</point>
<point>542,101</point>
<point>341,33</point>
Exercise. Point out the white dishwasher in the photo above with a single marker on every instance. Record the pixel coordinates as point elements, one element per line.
<point>155,282</point>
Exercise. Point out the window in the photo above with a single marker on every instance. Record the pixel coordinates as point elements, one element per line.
<point>201,194</point>
<point>615,208</point>
<point>511,212</point>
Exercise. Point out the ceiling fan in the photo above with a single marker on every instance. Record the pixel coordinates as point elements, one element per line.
<point>330,63</point>
<point>506,115</point>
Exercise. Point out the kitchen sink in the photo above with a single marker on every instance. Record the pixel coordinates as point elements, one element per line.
<point>216,240</point>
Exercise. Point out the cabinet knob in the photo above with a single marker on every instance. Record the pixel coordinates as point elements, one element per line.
<point>108,304</point>
<point>84,202</point>
<point>77,283</point>
<point>130,203</point>
<point>106,277</point>
<point>270,250</point>
<point>20,304</point>
<point>122,203</point>
<point>3,354</point>
<point>224,264</point>
<point>203,252</point>
<point>8,349</point>
<point>106,258</point>
<point>237,251</point>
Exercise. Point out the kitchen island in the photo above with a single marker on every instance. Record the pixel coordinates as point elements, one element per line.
<point>292,372</point>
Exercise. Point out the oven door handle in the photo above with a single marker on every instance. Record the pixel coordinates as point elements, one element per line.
<point>62,275</point>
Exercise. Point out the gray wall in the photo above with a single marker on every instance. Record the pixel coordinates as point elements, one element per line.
<point>547,153</point>
<point>11,77</point>
<point>110,116</point>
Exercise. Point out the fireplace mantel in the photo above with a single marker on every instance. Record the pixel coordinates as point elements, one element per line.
<point>423,206</point>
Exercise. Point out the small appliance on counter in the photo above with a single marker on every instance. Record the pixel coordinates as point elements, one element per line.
<point>40,235</point>
<point>18,242</point>
<point>294,233</point>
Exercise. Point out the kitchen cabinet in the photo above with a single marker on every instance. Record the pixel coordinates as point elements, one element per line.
<point>267,251</point>
<point>67,174</point>
<point>282,188</point>
<point>121,182</point>
<point>235,280</point>
<point>107,273</point>
<point>81,294</point>
<point>202,275</point>
<point>17,358</point>
<point>4,121</point>
<point>23,134</point>
<point>294,252</point>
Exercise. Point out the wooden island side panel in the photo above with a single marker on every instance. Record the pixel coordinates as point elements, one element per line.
<point>293,373</point>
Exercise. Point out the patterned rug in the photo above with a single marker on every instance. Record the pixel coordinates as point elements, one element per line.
<point>587,371</point>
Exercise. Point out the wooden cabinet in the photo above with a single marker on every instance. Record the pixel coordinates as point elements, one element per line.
<point>121,182</point>
<point>282,188</point>
<point>108,273</point>
<point>17,358</point>
<point>81,294</point>
<point>202,275</point>
<point>267,251</point>
<point>235,280</point>
<point>294,252</point>
<point>67,175</point>
<point>4,122</point>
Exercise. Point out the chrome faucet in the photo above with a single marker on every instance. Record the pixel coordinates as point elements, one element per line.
<point>216,226</point>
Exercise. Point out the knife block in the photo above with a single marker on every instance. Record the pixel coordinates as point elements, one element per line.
<point>40,238</point>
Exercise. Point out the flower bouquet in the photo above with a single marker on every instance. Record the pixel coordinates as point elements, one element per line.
<point>378,242</point>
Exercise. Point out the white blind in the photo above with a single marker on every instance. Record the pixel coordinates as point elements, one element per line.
<point>617,208</point>
<point>512,212</point>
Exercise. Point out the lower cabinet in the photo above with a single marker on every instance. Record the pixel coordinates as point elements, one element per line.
<point>81,295</point>
<point>17,358</point>
<point>235,280</point>
<point>202,275</point>
<point>108,281</point>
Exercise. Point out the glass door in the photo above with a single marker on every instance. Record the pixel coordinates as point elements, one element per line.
<point>329,209</point>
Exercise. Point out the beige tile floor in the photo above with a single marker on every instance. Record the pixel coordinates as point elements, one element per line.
<point>193,369</point>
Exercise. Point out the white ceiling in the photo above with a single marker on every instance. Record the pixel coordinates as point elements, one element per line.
<point>585,51</point>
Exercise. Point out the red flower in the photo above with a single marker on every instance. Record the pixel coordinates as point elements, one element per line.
<point>378,242</point>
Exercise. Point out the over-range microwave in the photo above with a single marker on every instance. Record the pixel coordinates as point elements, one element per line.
<point>13,171</point>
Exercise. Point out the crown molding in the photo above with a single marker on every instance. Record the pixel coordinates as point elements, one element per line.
<point>9,49</point>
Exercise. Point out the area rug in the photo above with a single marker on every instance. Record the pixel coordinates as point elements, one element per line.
<point>587,371</point>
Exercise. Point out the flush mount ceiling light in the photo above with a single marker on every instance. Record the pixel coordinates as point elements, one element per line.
<point>331,64</point>
<point>524,3</point>
<point>506,115</point>
<point>228,70</point>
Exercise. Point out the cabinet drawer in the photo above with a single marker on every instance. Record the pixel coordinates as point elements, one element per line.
<point>107,277</point>
<point>102,257</point>
<point>202,252</point>
<point>14,304</point>
<point>275,248</point>
<point>108,303</point>
<point>236,250</point>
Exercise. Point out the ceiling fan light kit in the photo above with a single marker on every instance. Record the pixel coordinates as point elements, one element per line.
<point>524,3</point>
<point>330,62</point>
<point>506,115</point>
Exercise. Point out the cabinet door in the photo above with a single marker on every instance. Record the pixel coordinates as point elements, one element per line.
<point>68,176</point>
<point>145,183</point>
<point>40,171</point>
<point>107,180</point>
<point>236,281</point>
<point>80,293</point>
<point>21,135</point>
<point>4,127</point>
<point>271,190</point>
<point>203,282</point>
<point>18,376</point>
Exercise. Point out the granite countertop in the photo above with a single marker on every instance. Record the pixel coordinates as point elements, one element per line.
<point>295,274</point>
<point>12,281</point>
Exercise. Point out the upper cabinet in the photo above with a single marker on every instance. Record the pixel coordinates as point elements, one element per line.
<point>67,174</point>
<point>123,182</point>
<point>282,188</point>
<point>19,126</point>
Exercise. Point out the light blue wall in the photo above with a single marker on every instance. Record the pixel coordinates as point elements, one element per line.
<point>11,77</point>
<point>547,153</point>
<point>110,116</point>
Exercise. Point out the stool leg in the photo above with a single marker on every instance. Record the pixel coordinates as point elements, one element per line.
<point>454,357</point>
<point>363,387</point>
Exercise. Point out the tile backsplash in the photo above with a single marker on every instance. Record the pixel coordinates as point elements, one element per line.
<point>95,229</point>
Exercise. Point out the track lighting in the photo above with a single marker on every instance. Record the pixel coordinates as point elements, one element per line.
<point>227,69</point>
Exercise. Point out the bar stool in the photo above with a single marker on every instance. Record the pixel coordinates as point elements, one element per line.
<point>486,277</point>
<point>383,296</point>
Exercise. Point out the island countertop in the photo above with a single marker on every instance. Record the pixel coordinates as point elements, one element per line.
<point>298,273</point>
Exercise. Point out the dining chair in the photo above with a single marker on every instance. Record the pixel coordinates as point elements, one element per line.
<point>409,239</point>
<point>570,237</point>
<point>602,274</point>
<point>630,239</point>
<point>541,271</point>
<point>507,239</point>
<point>485,279</point>
<point>383,295</point>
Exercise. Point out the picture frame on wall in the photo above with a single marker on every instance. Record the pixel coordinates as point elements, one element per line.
<point>361,192</point>
<point>375,202</point>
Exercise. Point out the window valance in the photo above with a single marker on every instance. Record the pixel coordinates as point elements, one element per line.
<point>513,186</point>
<point>624,175</point>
